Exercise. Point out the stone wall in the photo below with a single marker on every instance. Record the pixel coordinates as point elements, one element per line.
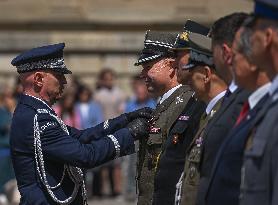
<point>97,33</point>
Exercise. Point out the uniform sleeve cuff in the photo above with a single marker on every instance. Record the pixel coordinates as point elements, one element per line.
<point>116,145</point>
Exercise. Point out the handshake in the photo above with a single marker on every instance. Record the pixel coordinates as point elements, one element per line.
<point>139,122</point>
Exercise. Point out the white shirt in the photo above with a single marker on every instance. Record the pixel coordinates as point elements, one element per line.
<point>274,86</point>
<point>257,95</point>
<point>232,86</point>
<point>214,100</point>
<point>168,93</point>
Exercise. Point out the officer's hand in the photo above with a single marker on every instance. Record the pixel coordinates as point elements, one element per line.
<point>145,112</point>
<point>139,128</point>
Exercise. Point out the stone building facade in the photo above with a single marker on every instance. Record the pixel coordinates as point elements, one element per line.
<point>97,33</point>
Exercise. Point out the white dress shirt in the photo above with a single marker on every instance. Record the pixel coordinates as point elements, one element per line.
<point>214,100</point>
<point>257,95</point>
<point>232,86</point>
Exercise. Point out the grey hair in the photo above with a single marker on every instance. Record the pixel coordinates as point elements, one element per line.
<point>244,43</point>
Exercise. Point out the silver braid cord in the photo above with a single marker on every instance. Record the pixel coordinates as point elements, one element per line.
<point>75,173</point>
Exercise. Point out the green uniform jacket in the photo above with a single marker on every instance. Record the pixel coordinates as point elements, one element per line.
<point>192,163</point>
<point>165,115</point>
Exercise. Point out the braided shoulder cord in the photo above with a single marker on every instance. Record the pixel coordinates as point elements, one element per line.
<point>75,173</point>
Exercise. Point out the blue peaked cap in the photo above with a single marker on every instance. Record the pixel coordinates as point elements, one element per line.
<point>266,8</point>
<point>48,57</point>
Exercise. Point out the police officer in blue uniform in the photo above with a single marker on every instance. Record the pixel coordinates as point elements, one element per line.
<point>48,156</point>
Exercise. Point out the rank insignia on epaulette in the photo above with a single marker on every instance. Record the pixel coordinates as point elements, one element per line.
<point>183,117</point>
<point>155,130</point>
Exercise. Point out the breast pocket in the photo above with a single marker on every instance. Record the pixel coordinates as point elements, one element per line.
<point>154,147</point>
<point>254,170</point>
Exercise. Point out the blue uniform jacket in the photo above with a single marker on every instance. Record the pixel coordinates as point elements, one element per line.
<point>82,148</point>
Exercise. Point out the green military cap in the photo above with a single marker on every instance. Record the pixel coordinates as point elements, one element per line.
<point>182,42</point>
<point>200,51</point>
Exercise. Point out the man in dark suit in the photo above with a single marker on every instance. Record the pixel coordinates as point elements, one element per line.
<point>226,173</point>
<point>47,154</point>
<point>259,183</point>
<point>223,32</point>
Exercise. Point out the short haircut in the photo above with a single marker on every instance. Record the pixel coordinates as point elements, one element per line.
<point>225,28</point>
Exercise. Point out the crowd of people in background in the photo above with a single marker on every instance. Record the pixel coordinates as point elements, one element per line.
<point>81,107</point>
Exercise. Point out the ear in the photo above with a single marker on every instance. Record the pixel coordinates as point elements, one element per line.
<point>173,66</point>
<point>269,35</point>
<point>208,73</point>
<point>174,63</point>
<point>38,79</point>
<point>227,53</point>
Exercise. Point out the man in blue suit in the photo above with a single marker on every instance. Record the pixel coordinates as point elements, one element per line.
<point>226,172</point>
<point>259,184</point>
<point>47,155</point>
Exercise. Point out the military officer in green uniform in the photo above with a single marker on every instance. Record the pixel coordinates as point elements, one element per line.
<point>171,161</point>
<point>211,89</point>
<point>159,72</point>
<point>175,120</point>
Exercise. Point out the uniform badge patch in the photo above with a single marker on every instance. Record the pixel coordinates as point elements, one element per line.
<point>212,112</point>
<point>155,130</point>
<point>184,117</point>
<point>47,125</point>
<point>199,141</point>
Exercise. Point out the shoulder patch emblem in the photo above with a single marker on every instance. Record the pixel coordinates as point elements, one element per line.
<point>48,124</point>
